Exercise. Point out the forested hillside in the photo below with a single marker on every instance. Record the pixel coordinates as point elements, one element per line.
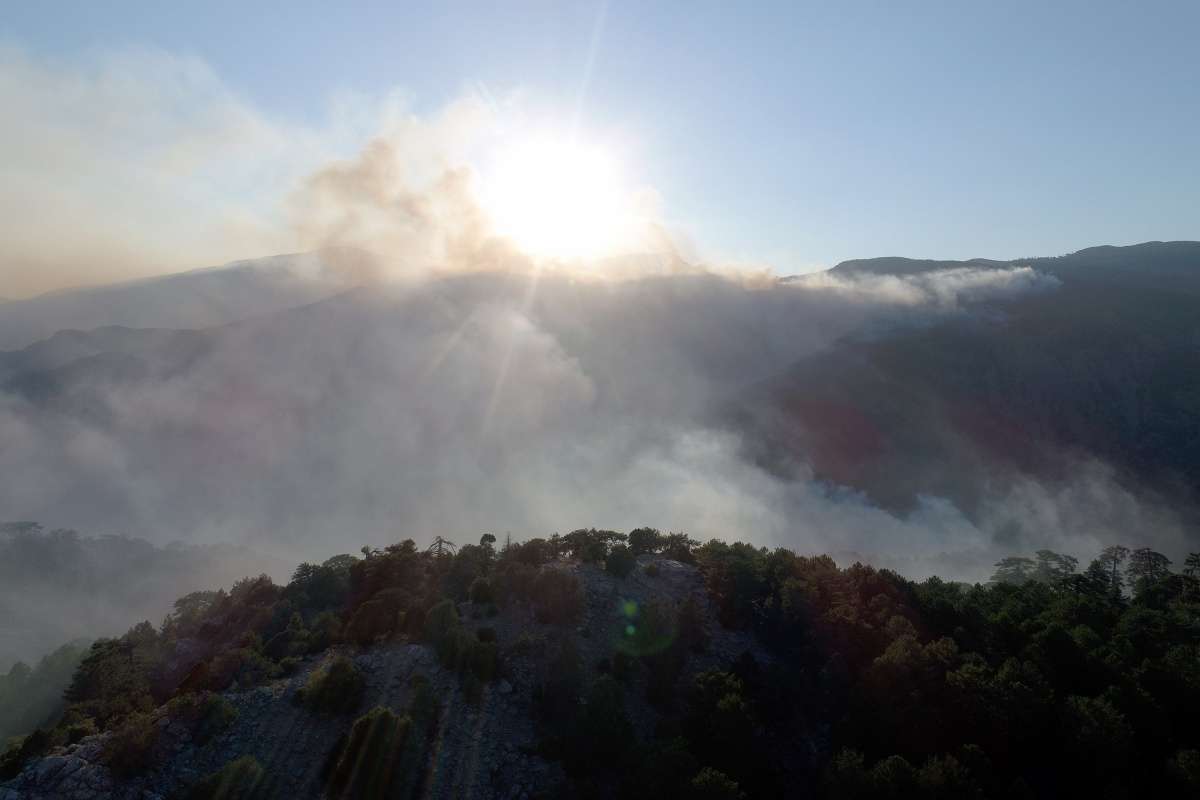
<point>1101,371</point>
<point>601,664</point>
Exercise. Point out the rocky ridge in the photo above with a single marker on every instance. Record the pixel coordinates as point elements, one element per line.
<point>483,749</point>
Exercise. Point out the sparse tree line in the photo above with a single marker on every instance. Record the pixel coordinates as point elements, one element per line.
<point>1045,682</point>
<point>1116,568</point>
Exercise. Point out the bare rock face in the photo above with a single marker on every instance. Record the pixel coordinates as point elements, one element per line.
<point>486,747</point>
<point>74,774</point>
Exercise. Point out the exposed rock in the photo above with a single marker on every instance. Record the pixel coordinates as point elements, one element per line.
<point>486,749</point>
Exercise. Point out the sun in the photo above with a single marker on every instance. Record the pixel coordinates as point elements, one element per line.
<point>559,200</point>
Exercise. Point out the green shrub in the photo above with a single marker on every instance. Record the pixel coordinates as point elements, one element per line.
<point>384,754</point>
<point>242,779</point>
<point>1184,770</point>
<point>423,709</point>
<point>620,561</point>
<point>20,751</point>
<point>454,649</point>
<point>894,777</point>
<point>652,570</point>
<point>291,640</point>
<point>370,621</point>
<point>77,731</point>
<point>710,784</point>
<point>846,775</point>
<point>336,688</point>
<point>605,730</point>
<point>245,666</point>
<point>679,547</point>
<point>483,659</point>
<point>368,764</point>
<point>945,776</point>
<point>440,622</point>
<point>324,631</point>
<point>513,581</point>
<point>206,713</point>
<point>556,696</point>
<point>557,597</point>
<point>112,681</point>
<point>215,715</point>
<point>596,735</point>
<point>128,751</point>
<point>481,591</point>
<point>645,540</point>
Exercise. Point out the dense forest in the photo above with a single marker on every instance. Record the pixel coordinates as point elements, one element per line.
<point>1050,680</point>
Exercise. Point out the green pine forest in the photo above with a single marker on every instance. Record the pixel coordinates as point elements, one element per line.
<point>1053,679</point>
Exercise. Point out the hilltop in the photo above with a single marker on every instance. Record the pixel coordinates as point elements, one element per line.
<point>640,665</point>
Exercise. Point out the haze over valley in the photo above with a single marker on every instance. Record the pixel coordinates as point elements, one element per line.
<point>600,400</point>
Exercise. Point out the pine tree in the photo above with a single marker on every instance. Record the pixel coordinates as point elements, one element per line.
<point>441,547</point>
<point>1014,570</point>
<point>1146,567</point>
<point>1107,566</point>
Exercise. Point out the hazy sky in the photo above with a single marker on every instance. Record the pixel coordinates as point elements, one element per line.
<point>796,134</point>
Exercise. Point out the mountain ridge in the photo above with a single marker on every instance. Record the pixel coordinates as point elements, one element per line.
<point>193,299</point>
<point>901,265</point>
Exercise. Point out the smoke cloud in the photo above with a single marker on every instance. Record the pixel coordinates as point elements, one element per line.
<point>133,164</point>
<point>60,585</point>
<point>136,163</point>
<point>501,402</point>
<point>946,289</point>
<point>466,390</point>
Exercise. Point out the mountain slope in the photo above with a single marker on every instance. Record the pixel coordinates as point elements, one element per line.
<point>195,299</point>
<point>1164,265</point>
<point>639,666</point>
<point>1105,368</point>
<point>487,745</point>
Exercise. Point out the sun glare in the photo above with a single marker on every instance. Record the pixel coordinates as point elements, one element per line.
<point>558,200</point>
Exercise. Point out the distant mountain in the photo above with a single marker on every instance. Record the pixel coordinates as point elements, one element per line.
<point>1172,265</point>
<point>195,299</point>
<point>1107,368</point>
<point>895,265</point>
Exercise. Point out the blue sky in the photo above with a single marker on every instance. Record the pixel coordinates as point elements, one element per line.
<point>798,134</point>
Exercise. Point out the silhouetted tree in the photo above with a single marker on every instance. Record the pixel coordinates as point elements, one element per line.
<point>645,540</point>
<point>440,547</point>
<point>1013,570</point>
<point>1054,567</point>
<point>1109,563</point>
<point>620,561</point>
<point>1146,567</point>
